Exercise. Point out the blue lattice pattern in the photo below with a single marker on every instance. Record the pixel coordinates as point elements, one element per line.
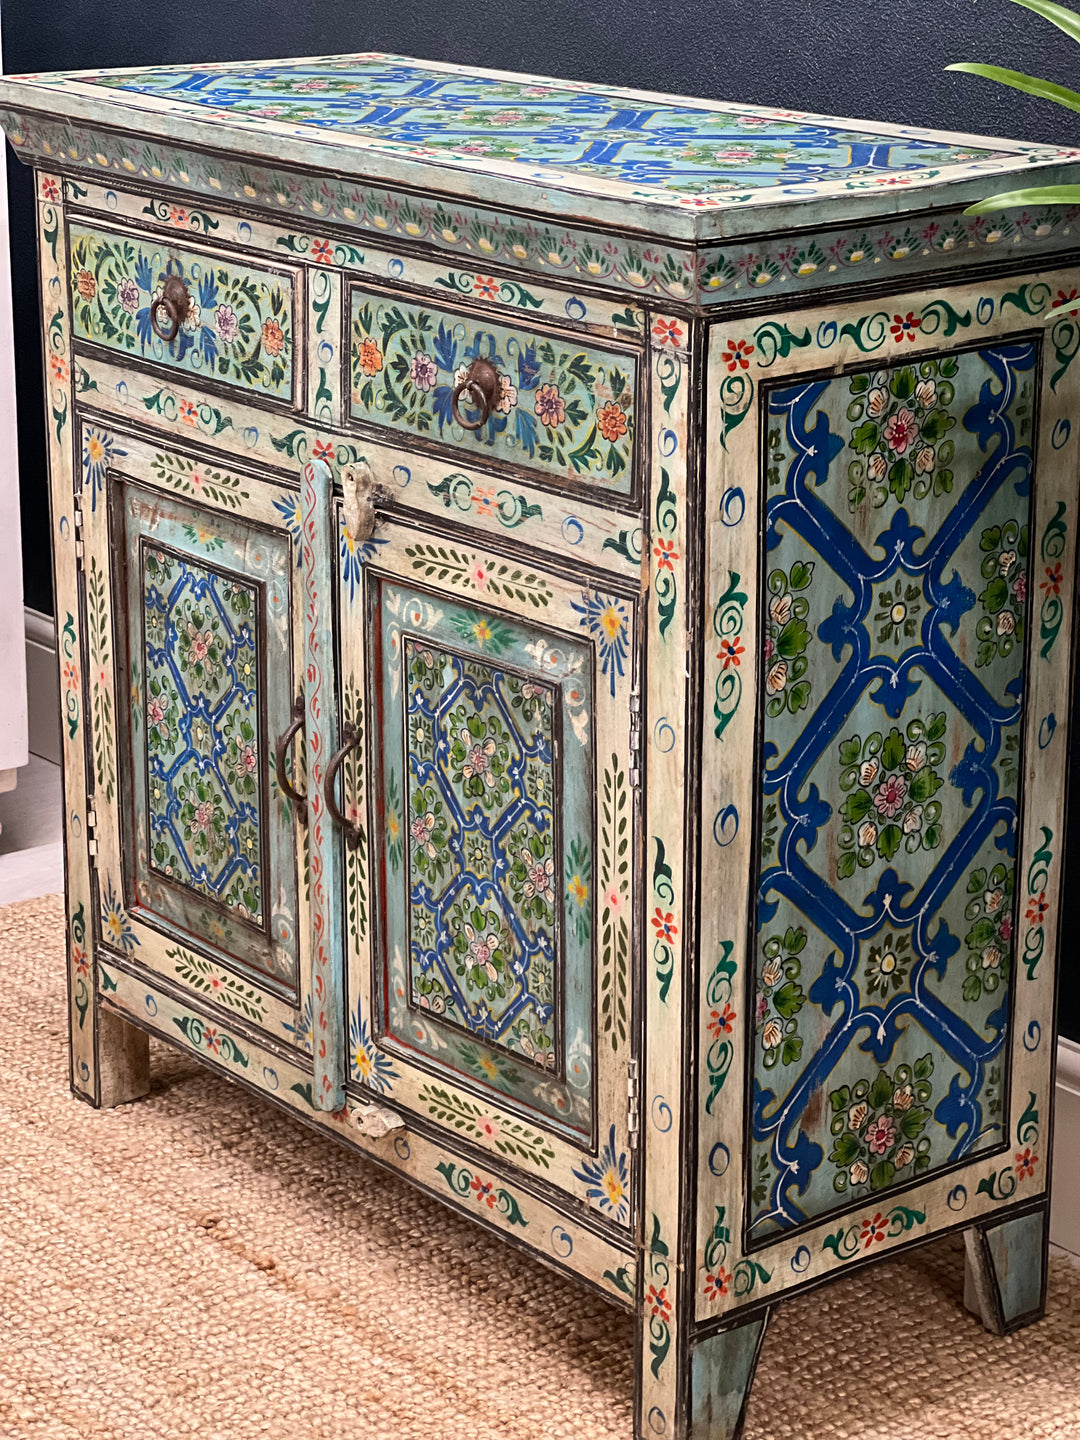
<point>202,729</point>
<point>896,605</point>
<point>485,883</point>
<point>683,148</point>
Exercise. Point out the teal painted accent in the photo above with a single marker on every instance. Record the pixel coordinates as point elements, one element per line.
<point>565,408</point>
<point>721,1372</point>
<point>1017,1251</point>
<point>239,328</point>
<point>323,736</point>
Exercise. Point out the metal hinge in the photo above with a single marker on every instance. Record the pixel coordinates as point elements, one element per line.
<point>633,1102</point>
<point>635,738</point>
<point>78,528</point>
<point>91,829</point>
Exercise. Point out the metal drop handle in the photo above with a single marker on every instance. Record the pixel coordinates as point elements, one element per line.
<point>481,383</point>
<point>176,302</point>
<point>285,785</point>
<point>350,738</point>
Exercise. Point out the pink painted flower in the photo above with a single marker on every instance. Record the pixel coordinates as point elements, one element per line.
<point>127,292</point>
<point>423,370</point>
<point>890,796</point>
<point>900,431</point>
<point>880,1135</point>
<point>549,406</point>
<point>1020,586</point>
<point>227,323</point>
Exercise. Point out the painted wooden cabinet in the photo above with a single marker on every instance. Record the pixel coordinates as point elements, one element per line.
<point>565,606</point>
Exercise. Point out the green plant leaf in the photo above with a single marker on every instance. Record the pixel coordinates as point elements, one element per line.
<point>1017,199</point>
<point>1029,84</point>
<point>1067,20</point>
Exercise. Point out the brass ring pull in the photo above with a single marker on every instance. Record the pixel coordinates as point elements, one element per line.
<point>481,383</point>
<point>285,785</point>
<point>350,738</point>
<point>176,302</point>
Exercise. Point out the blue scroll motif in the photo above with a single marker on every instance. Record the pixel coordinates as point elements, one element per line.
<point>848,915</point>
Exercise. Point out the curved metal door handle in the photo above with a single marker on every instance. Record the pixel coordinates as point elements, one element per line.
<point>350,738</point>
<point>285,785</point>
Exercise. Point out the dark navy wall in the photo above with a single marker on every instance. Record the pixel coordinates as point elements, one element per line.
<point>835,56</point>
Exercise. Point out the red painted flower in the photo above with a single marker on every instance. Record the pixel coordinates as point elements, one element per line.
<point>664,925</point>
<point>1036,911</point>
<point>79,960</point>
<point>322,252</point>
<point>49,188</point>
<point>730,650</point>
<point>484,1192</point>
<point>658,1303</point>
<point>177,216</point>
<point>1063,299</point>
<point>717,1285</point>
<point>486,288</point>
<point>323,450</point>
<point>873,1230</point>
<point>1025,1165</point>
<point>905,325</point>
<point>58,367</point>
<point>900,431</point>
<point>1052,583</point>
<point>212,1041</point>
<point>665,553</point>
<point>735,356</point>
<point>612,422</point>
<point>188,412</point>
<point>721,1022</point>
<point>668,332</point>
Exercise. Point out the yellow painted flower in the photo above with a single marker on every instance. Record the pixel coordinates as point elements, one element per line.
<point>610,621</point>
<point>579,890</point>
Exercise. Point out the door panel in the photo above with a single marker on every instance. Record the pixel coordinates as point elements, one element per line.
<point>196,660</point>
<point>495,700</point>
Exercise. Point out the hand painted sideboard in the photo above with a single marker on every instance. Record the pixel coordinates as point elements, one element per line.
<point>564,599</point>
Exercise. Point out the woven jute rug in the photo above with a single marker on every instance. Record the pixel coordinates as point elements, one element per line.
<point>199,1265</point>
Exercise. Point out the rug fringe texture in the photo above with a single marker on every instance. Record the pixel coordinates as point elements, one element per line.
<point>198,1264</point>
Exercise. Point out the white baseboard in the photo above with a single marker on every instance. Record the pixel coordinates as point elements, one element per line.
<point>1065,1205</point>
<point>42,686</point>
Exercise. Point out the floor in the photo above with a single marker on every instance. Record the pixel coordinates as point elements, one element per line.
<point>31,834</point>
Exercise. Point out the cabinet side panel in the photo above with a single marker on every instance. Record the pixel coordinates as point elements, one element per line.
<point>66,547</point>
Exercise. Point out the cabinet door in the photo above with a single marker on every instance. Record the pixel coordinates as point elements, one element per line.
<point>491,898</point>
<point>193,678</point>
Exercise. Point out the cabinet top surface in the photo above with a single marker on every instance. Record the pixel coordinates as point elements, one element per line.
<point>680,166</point>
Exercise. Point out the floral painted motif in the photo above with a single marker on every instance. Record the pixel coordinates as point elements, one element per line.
<point>115,926</point>
<point>891,780</point>
<point>100,450</point>
<point>238,327</point>
<point>607,620</point>
<point>368,1064</point>
<point>877,1127</point>
<point>888,961</point>
<point>1004,600</point>
<point>779,998</point>
<point>607,1179</point>
<point>901,422</point>
<point>565,409</point>
<point>989,941</point>
<point>786,639</point>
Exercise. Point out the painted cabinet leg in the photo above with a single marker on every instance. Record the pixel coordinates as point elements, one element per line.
<point>721,1373</point>
<point>123,1053</point>
<point>1005,1277</point>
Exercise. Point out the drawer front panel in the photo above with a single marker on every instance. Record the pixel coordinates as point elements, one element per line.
<point>240,329</point>
<point>567,409</point>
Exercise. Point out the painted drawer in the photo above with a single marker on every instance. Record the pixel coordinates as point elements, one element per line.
<point>240,329</point>
<point>568,409</point>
